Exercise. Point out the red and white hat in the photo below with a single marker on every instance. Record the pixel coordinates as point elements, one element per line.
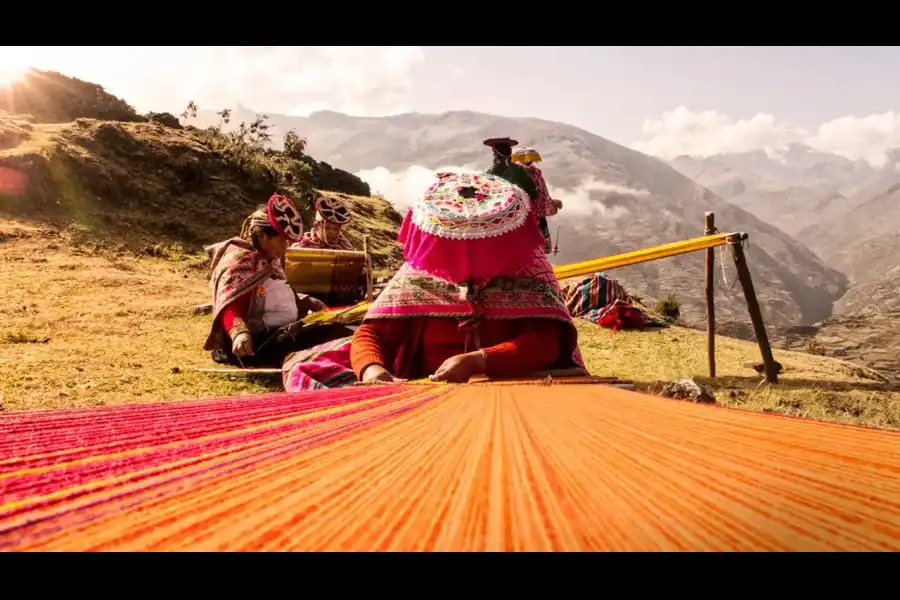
<point>332,210</point>
<point>284,217</point>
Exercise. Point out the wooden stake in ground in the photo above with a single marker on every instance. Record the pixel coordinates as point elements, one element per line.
<point>759,328</point>
<point>710,298</point>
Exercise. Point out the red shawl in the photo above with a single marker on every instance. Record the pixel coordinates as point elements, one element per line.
<point>236,269</point>
<point>544,206</point>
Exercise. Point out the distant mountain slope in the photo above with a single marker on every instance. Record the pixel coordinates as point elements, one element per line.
<point>865,244</point>
<point>631,201</point>
<point>848,212</point>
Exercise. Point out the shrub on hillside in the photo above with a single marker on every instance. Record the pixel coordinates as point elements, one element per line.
<point>286,171</point>
<point>814,347</point>
<point>167,119</point>
<point>669,308</point>
<point>52,97</point>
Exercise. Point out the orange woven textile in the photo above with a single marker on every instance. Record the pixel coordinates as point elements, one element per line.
<point>438,467</point>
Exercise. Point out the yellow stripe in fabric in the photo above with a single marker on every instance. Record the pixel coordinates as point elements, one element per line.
<point>589,267</point>
<point>580,269</point>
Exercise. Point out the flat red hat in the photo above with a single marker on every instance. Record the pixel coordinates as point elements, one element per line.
<point>500,140</point>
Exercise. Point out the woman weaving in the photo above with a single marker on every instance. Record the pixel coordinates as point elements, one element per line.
<point>251,297</point>
<point>475,296</point>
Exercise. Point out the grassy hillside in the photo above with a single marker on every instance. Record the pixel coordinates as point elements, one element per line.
<point>152,188</point>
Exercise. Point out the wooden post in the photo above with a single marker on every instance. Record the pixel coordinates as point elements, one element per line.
<point>369,274</point>
<point>710,298</point>
<point>743,272</point>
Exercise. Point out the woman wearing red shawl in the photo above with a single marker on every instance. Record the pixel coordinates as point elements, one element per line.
<point>251,297</point>
<point>544,206</point>
<point>475,296</point>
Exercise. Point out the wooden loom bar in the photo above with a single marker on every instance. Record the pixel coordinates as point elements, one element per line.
<point>759,328</point>
<point>710,229</point>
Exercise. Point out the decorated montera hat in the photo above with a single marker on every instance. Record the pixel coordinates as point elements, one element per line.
<point>284,217</point>
<point>526,155</point>
<point>470,206</point>
<point>278,213</point>
<point>470,226</point>
<point>332,210</point>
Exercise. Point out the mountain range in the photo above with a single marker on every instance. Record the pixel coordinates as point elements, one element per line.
<point>847,212</point>
<point>617,199</point>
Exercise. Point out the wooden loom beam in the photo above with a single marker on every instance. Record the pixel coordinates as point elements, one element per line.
<point>710,229</point>
<point>759,328</point>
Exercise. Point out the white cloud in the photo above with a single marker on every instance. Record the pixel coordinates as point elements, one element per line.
<point>357,80</point>
<point>403,188</point>
<point>583,200</point>
<point>866,138</point>
<point>683,131</point>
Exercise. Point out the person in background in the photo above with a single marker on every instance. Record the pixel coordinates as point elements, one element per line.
<point>544,206</point>
<point>250,294</point>
<point>326,232</point>
<point>475,296</point>
<point>508,170</point>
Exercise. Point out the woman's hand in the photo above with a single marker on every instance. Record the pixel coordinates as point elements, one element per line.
<point>242,344</point>
<point>459,368</point>
<point>558,204</point>
<point>309,304</point>
<point>377,373</point>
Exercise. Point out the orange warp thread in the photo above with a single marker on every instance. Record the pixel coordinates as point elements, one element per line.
<point>444,468</point>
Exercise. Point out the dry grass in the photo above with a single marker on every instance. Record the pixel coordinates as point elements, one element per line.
<point>810,386</point>
<point>81,329</point>
<point>84,328</point>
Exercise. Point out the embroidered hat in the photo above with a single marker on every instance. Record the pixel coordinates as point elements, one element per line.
<point>285,217</point>
<point>470,227</point>
<point>279,213</point>
<point>332,210</point>
<point>471,206</point>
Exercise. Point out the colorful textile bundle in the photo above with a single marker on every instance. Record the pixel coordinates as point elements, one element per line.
<point>325,365</point>
<point>438,467</point>
<point>604,301</point>
<point>593,296</point>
